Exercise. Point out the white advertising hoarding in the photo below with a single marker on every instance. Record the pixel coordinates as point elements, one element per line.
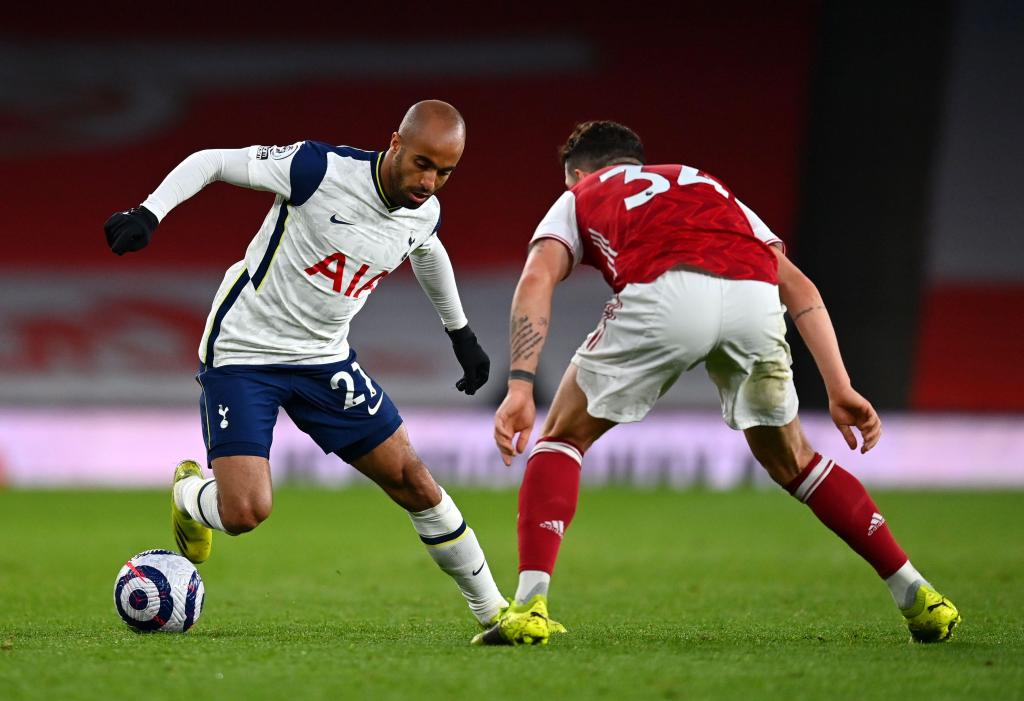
<point>133,448</point>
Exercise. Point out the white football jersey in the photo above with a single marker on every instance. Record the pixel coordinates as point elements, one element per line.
<point>328,241</point>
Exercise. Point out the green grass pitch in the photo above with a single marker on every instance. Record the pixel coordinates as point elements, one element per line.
<point>667,595</point>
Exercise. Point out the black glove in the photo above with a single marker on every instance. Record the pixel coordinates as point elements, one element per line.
<point>130,231</point>
<point>475,363</point>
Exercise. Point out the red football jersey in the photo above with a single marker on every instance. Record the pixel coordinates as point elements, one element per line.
<point>635,222</point>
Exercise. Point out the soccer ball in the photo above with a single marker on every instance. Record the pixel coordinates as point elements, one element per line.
<point>159,590</point>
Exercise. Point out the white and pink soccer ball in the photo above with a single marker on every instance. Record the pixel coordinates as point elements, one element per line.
<point>159,590</point>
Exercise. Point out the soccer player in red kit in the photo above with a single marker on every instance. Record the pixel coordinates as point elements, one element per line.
<point>697,278</point>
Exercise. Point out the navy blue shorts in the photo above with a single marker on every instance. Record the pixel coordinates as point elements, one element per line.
<point>340,406</point>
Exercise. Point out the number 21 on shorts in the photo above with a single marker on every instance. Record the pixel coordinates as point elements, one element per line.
<point>345,378</point>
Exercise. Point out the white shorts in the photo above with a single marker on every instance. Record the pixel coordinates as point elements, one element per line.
<point>653,332</point>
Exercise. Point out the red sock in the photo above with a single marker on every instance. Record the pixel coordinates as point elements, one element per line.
<point>547,502</point>
<point>840,501</point>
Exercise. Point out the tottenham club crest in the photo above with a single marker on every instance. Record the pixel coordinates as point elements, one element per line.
<point>279,152</point>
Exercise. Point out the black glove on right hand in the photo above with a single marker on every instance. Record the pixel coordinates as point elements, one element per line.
<point>130,231</point>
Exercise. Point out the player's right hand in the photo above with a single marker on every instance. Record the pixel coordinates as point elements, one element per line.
<point>515,415</point>
<point>849,409</point>
<point>130,231</point>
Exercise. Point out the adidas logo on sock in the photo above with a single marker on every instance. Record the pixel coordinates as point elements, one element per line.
<point>877,521</point>
<point>556,527</point>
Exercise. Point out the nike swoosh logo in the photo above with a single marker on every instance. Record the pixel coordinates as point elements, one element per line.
<point>371,410</point>
<point>480,568</point>
<point>335,220</point>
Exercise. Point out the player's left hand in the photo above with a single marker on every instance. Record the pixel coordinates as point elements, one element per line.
<point>476,366</point>
<point>849,409</point>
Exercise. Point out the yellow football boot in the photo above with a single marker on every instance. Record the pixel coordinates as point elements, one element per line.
<point>497,617</point>
<point>193,538</point>
<point>522,624</point>
<point>932,617</point>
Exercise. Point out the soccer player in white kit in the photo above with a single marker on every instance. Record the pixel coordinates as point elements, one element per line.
<point>698,278</point>
<point>277,335</point>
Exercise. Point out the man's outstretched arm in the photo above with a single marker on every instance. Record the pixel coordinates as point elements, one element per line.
<point>547,264</point>
<point>196,172</point>
<point>807,309</point>
<point>131,230</point>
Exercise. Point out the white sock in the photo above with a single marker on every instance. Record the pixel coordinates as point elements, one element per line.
<point>199,498</point>
<point>903,584</point>
<point>531,583</point>
<point>455,549</point>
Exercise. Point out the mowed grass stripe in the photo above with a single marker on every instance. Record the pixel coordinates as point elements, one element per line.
<point>666,595</point>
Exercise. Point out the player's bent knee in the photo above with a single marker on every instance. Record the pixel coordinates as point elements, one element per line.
<point>579,433</point>
<point>241,522</point>
<point>416,490</point>
<point>244,516</point>
<point>781,473</point>
<point>782,451</point>
<point>783,466</point>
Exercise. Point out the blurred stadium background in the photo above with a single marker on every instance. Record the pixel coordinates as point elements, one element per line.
<point>884,147</point>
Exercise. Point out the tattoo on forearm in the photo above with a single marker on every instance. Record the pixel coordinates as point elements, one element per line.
<point>525,337</point>
<point>805,311</point>
<point>525,350</point>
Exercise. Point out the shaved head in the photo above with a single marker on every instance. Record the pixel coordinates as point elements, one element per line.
<point>433,119</point>
<point>423,153</point>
